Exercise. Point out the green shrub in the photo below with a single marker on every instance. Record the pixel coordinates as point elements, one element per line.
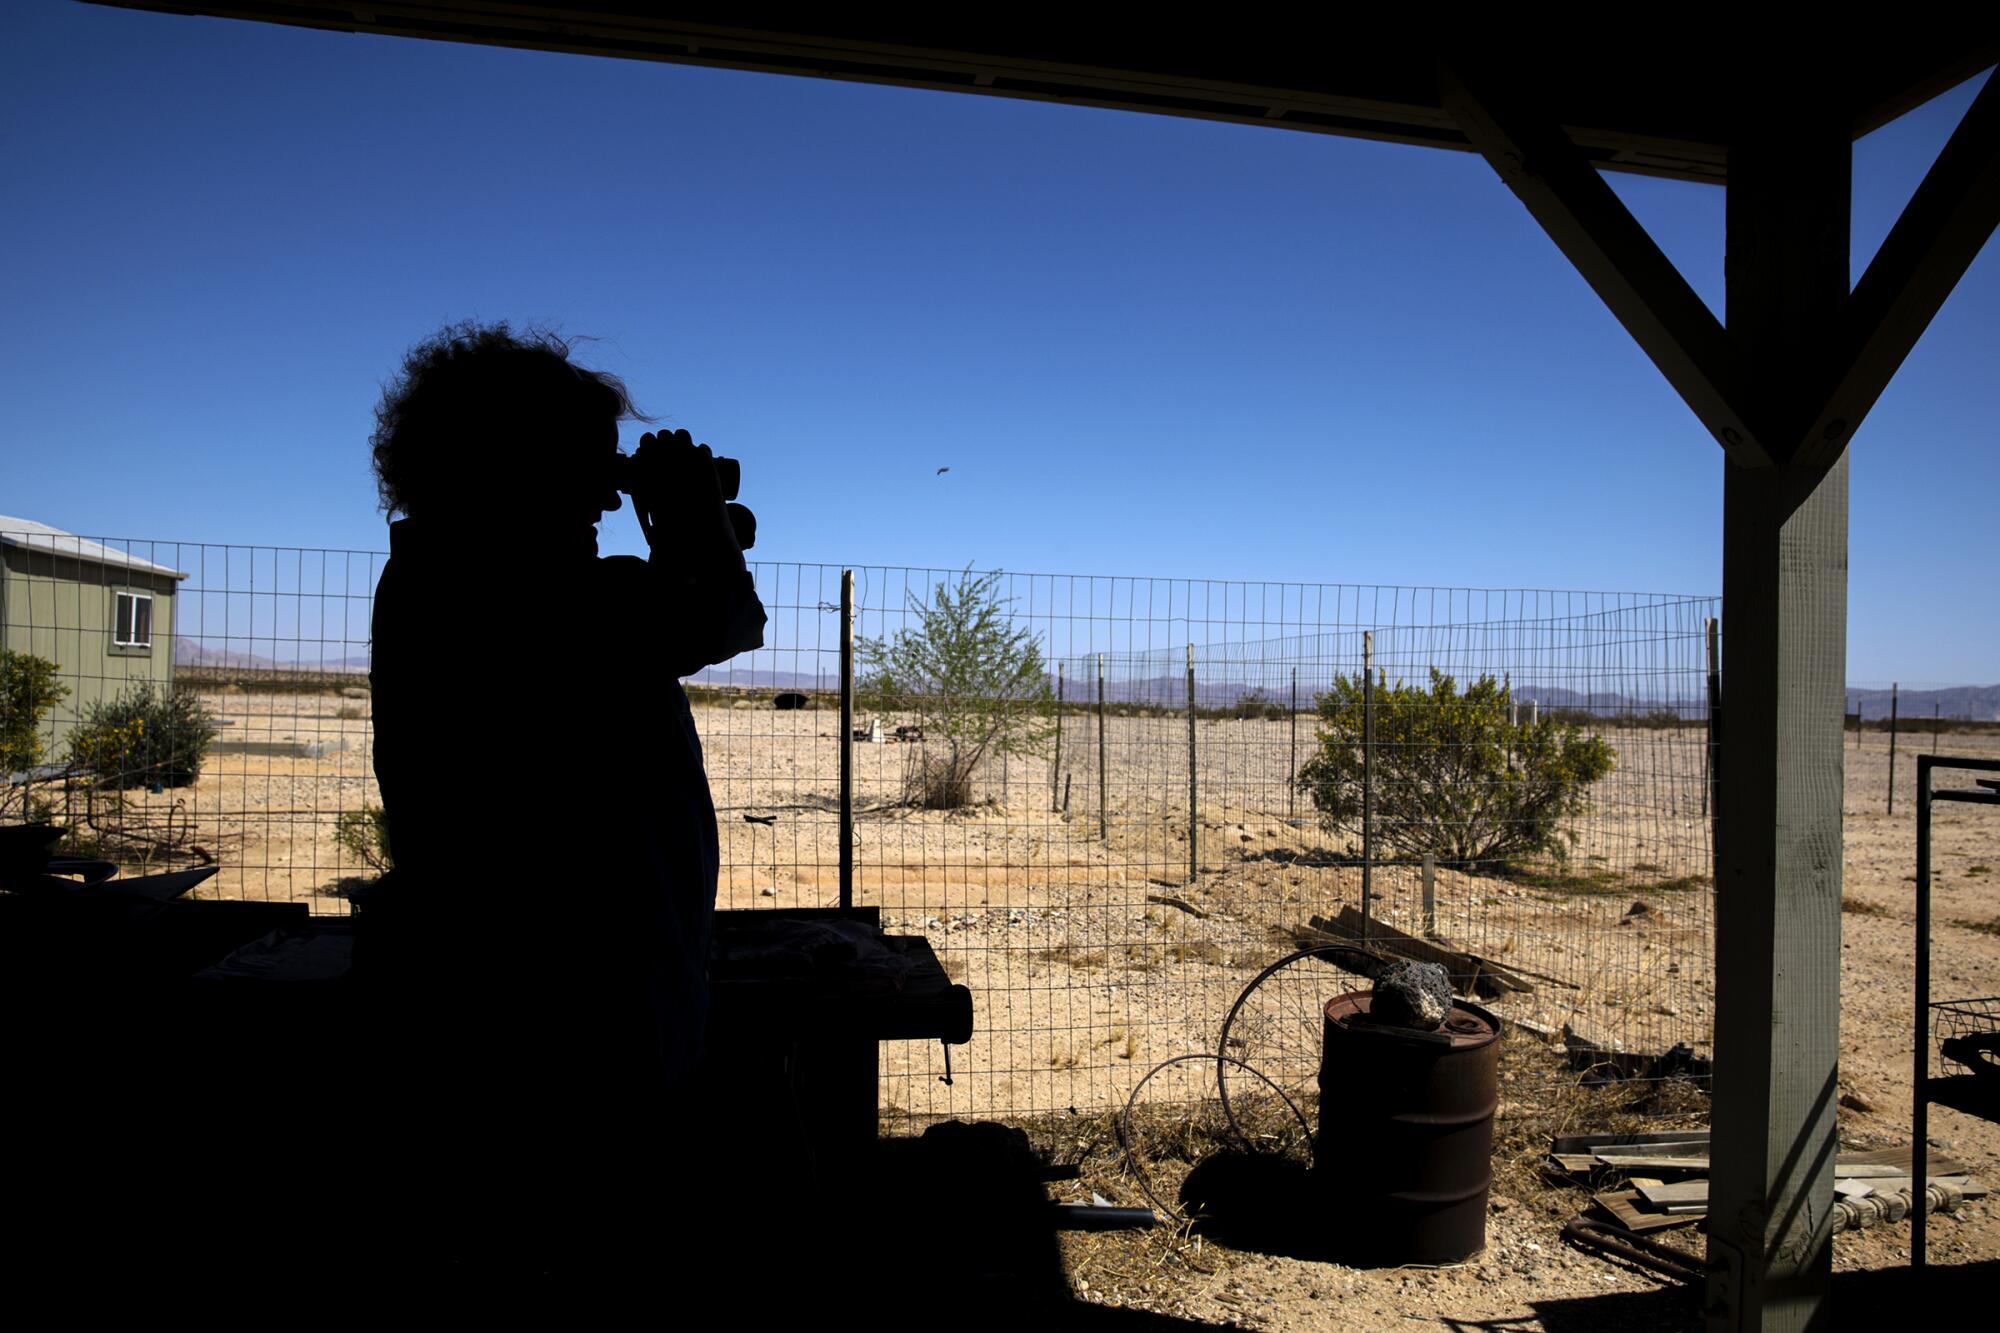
<point>28,690</point>
<point>1453,777</point>
<point>364,835</point>
<point>143,738</point>
<point>975,682</point>
<point>1254,706</point>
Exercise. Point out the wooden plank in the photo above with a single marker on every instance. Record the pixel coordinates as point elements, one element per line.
<point>1778,865</point>
<point>1621,1206</point>
<point>1679,1165</point>
<point>1939,234</point>
<point>1934,1163</point>
<point>1609,248</point>
<point>1861,1188</point>
<point>1488,979</point>
<point>1575,1143</point>
<point>1686,1191</point>
<point>1658,1148</point>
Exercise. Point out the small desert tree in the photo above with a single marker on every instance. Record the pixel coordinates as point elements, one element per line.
<point>28,690</point>
<point>1454,777</point>
<point>975,681</point>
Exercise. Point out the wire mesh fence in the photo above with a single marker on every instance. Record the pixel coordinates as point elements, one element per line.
<point>1107,893</point>
<point>1106,886</point>
<point>271,643</point>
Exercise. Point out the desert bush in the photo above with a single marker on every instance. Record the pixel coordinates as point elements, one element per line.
<point>975,681</point>
<point>1255,706</point>
<point>364,835</point>
<point>1453,777</point>
<point>143,737</point>
<point>28,690</point>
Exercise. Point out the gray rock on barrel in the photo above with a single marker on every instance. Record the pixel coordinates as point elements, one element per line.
<point>1412,995</point>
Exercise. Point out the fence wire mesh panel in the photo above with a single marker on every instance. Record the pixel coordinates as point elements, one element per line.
<point>211,708</point>
<point>1132,842</point>
<point>1108,802</point>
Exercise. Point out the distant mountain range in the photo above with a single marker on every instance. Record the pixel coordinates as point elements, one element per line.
<point>1979,703</point>
<point>191,654</point>
<point>1976,702</point>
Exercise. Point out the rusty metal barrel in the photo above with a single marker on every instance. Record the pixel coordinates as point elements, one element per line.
<point>1404,1155</point>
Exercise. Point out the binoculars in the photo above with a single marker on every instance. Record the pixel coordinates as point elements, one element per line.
<point>632,476</point>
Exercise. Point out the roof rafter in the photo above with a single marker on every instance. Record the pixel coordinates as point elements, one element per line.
<point>1939,234</point>
<point>1614,253</point>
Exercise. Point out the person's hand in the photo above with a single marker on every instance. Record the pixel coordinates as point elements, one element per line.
<point>682,494</point>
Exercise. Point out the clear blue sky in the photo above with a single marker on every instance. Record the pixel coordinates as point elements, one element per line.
<point>1142,345</point>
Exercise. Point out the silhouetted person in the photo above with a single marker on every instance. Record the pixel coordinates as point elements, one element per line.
<point>539,952</point>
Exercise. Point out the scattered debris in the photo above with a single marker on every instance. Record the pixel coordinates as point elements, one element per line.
<point>1871,1187</point>
<point>760,819</point>
<point>1470,973</point>
<point>1180,903</point>
<point>1647,1254</point>
<point>1601,1065</point>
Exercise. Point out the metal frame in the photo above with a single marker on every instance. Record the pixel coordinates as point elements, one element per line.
<point>1922,1086</point>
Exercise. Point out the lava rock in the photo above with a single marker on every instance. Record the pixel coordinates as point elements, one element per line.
<point>1412,995</point>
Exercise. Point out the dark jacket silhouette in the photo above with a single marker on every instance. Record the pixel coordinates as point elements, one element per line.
<point>538,955</point>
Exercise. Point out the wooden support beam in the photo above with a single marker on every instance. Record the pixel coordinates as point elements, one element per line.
<point>1621,262</point>
<point>1935,240</point>
<point>1778,863</point>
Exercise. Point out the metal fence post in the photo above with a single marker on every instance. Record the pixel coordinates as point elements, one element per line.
<point>1103,786</point>
<point>1367,777</point>
<point>1194,859</point>
<point>846,738</point>
<point>1055,769</point>
<point>1292,773</point>
<point>1893,688</point>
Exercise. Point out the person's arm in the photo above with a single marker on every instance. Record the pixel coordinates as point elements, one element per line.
<point>705,594</point>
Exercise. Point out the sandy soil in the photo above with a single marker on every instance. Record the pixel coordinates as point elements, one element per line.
<point>1084,977</point>
<point>1528,1278</point>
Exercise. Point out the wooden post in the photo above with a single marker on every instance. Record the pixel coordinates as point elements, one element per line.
<point>1778,867</point>
<point>1194,858</point>
<point>1055,769</point>
<point>1430,897</point>
<point>1783,389</point>
<point>1714,717</point>
<point>1367,777</point>
<point>1103,787</point>
<point>1894,687</point>
<point>846,738</point>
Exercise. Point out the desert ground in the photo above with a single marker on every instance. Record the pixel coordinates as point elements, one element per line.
<point>1095,950</point>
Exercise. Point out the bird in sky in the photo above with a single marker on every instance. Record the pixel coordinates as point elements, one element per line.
<point>941,471</point>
